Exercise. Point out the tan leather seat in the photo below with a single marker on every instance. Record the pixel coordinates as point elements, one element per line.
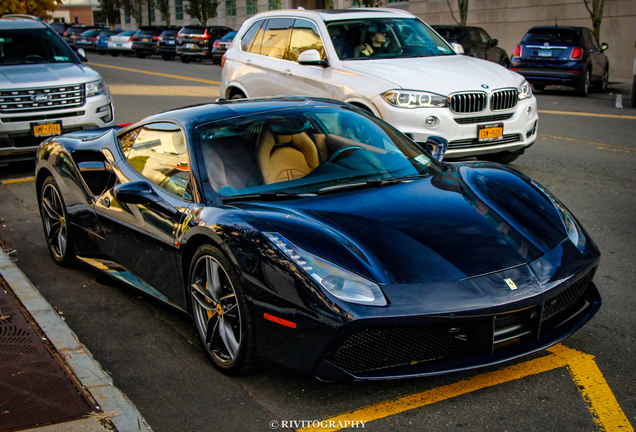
<point>285,157</point>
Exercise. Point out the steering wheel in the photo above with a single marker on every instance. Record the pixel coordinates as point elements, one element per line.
<point>401,49</point>
<point>338,152</point>
<point>34,57</point>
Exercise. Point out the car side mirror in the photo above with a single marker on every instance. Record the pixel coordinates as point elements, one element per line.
<point>311,58</point>
<point>140,192</point>
<point>495,42</point>
<point>604,46</point>
<point>457,48</point>
<point>82,54</point>
<point>436,146</point>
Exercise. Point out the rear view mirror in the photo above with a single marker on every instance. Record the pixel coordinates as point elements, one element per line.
<point>495,42</point>
<point>604,46</point>
<point>436,146</point>
<point>458,48</point>
<point>82,54</point>
<point>311,58</point>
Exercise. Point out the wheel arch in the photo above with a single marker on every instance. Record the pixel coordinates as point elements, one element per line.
<point>233,89</point>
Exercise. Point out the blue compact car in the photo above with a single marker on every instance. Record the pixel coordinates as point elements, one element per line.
<point>310,233</point>
<point>555,55</point>
<point>101,44</point>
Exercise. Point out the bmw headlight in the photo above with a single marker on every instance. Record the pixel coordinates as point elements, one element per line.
<point>572,227</point>
<point>414,99</point>
<point>95,88</point>
<point>525,91</point>
<point>340,283</point>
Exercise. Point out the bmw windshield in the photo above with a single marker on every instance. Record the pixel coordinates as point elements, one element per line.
<point>305,151</point>
<point>374,38</point>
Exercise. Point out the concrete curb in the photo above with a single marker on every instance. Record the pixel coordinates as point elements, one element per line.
<point>73,352</point>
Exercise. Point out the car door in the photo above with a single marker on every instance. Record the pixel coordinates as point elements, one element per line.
<point>598,58</point>
<point>491,52</point>
<point>475,45</point>
<point>304,80</point>
<point>141,237</point>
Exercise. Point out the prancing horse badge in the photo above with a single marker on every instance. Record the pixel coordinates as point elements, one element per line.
<point>511,284</point>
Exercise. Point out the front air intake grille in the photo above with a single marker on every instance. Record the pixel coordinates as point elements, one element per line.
<point>504,99</point>
<point>382,348</point>
<point>567,299</point>
<point>484,119</point>
<point>468,102</point>
<point>474,142</point>
<point>42,99</point>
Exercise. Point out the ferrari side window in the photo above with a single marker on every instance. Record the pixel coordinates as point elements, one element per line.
<point>159,153</point>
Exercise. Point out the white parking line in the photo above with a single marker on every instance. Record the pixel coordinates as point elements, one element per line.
<point>619,101</point>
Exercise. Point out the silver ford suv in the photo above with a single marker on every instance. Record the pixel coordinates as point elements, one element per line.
<point>45,89</point>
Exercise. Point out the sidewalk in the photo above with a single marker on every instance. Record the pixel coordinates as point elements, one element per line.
<point>67,391</point>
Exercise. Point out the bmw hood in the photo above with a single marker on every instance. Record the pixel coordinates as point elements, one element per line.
<point>463,223</point>
<point>441,74</point>
<point>45,75</point>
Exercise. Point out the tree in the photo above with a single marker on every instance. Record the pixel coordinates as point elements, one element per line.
<point>203,10</point>
<point>163,6</point>
<point>110,8</point>
<point>39,8</point>
<point>133,8</point>
<point>596,13</point>
<point>463,11</point>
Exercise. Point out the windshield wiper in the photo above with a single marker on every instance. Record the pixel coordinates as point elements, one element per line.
<point>377,182</point>
<point>267,196</point>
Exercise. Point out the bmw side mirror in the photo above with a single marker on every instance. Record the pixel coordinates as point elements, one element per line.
<point>457,48</point>
<point>436,146</point>
<point>312,58</point>
<point>140,192</point>
<point>604,46</point>
<point>82,54</point>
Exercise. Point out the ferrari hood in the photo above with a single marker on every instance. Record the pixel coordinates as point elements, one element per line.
<point>441,74</point>
<point>463,223</point>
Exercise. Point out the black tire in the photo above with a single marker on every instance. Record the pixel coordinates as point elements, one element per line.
<point>114,54</point>
<point>634,93</point>
<point>502,157</point>
<point>601,86</point>
<point>539,87</point>
<point>167,57</point>
<point>185,59</point>
<point>139,54</point>
<point>57,232</point>
<point>221,312</point>
<point>584,87</point>
<point>102,53</point>
<point>238,95</point>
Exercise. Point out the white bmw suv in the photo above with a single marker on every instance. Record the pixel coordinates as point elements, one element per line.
<point>392,64</point>
<point>45,89</point>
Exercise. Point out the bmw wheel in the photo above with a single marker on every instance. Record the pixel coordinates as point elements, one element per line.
<point>55,223</point>
<point>221,313</point>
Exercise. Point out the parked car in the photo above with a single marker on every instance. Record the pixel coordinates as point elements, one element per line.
<point>220,46</point>
<point>102,40</point>
<point>121,43</point>
<point>569,56</point>
<point>309,233</point>
<point>412,78</point>
<point>167,43</point>
<point>145,40</point>
<point>59,27</point>
<point>195,42</point>
<point>475,42</point>
<point>72,33</point>
<point>45,89</point>
<point>88,40</point>
<point>633,100</point>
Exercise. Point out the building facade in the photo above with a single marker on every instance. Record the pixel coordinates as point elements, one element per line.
<point>505,20</point>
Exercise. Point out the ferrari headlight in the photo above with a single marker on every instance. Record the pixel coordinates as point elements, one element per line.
<point>414,99</point>
<point>525,91</point>
<point>574,230</point>
<point>95,88</point>
<point>340,283</point>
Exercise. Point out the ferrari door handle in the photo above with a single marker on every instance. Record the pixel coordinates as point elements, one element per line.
<point>287,72</point>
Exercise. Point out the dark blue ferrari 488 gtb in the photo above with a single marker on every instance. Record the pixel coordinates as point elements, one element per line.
<point>308,233</point>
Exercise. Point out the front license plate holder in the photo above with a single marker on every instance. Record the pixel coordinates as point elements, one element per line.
<point>44,129</point>
<point>490,132</point>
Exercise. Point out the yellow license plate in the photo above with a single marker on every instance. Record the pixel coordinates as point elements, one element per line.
<point>48,129</point>
<point>490,132</point>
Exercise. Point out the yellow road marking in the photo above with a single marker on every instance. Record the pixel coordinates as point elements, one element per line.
<point>587,114</point>
<point>17,180</point>
<point>605,410</point>
<point>158,74</point>
<point>157,90</point>
<point>600,146</point>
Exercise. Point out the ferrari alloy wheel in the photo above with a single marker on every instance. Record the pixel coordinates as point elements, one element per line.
<point>220,312</point>
<point>55,223</point>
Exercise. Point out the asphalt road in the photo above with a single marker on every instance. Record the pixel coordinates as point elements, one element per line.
<point>585,153</point>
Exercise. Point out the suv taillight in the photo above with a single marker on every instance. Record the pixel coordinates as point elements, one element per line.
<point>223,60</point>
<point>576,54</point>
<point>517,52</point>
<point>216,44</point>
<point>155,38</point>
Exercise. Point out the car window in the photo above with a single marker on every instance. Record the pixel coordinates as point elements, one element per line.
<point>593,41</point>
<point>403,38</point>
<point>158,152</point>
<point>551,35</point>
<point>229,36</point>
<point>25,46</point>
<point>484,37</point>
<point>249,37</point>
<point>473,35</point>
<point>302,150</point>
<point>304,36</point>
<point>274,39</point>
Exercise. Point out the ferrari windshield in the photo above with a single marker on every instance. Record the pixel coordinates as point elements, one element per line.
<point>373,38</point>
<point>304,150</point>
<point>26,46</point>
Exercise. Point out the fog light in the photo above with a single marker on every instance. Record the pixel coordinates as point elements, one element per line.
<point>108,113</point>
<point>431,121</point>
<point>529,112</point>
